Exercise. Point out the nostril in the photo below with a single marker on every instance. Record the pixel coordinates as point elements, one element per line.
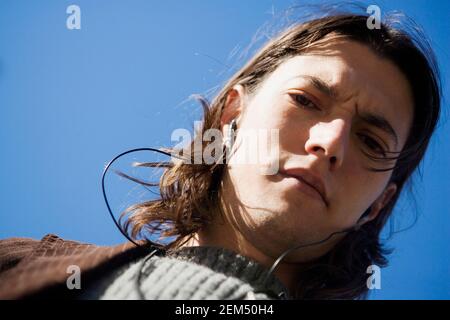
<point>333,160</point>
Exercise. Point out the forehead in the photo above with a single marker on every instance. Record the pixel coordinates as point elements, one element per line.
<point>357,75</point>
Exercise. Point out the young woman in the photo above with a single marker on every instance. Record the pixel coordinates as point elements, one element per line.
<point>354,109</point>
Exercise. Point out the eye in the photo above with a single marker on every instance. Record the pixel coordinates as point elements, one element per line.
<point>372,144</point>
<point>304,101</point>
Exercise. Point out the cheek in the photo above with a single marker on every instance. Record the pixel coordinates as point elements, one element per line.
<point>362,188</point>
<point>253,191</point>
<point>265,112</point>
<point>294,131</point>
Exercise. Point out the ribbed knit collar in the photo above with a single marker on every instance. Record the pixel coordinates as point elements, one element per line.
<point>232,264</point>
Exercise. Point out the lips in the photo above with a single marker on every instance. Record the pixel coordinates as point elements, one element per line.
<point>305,176</point>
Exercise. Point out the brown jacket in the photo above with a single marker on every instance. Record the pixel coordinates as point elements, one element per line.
<point>39,269</point>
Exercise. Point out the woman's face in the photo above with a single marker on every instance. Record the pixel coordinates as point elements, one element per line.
<point>331,106</point>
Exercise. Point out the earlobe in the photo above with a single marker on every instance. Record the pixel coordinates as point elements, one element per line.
<point>380,203</point>
<point>387,195</point>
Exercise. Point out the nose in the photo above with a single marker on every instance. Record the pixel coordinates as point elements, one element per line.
<point>329,140</point>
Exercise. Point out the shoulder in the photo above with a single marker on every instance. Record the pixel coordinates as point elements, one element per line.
<point>12,250</point>
<point>29,266</point>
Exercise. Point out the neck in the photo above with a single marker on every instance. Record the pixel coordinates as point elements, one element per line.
<point>227,237</point>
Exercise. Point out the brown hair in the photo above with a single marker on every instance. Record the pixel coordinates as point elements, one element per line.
<point>189,193</point>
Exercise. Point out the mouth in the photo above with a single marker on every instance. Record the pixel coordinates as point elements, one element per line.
<point>307,183</point>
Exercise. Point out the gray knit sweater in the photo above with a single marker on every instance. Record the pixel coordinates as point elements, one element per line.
<point>189,273</point>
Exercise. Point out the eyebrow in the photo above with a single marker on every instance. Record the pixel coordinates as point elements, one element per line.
<point>322,86</point>
<point>370,118</point>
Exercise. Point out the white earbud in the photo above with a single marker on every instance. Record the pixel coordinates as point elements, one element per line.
<point>229,135</point>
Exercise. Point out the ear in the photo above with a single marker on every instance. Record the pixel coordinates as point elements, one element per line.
<point>233,105</point>
<point>380,203</point>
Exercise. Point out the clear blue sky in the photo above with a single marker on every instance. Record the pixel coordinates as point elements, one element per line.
<point>72,99</point>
